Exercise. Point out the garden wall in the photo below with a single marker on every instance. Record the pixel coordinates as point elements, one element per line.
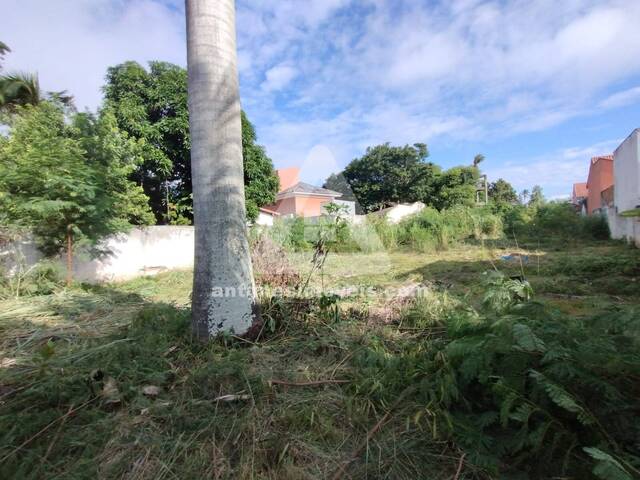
<point>142,251</point>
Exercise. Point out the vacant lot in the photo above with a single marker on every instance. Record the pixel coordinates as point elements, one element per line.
<point>104,382</point>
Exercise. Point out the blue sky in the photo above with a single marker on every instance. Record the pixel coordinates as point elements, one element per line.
<point>537,86</point>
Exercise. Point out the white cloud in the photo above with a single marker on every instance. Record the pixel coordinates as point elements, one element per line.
<point>278,77</point>
<point>622,99</point>
<point>556,171</point>
<point>71,43</point>
<point>345,74</point>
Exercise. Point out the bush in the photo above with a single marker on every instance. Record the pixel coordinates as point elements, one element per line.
<point>555,219</point>
<point>530,387</point>
<point>432,230</point>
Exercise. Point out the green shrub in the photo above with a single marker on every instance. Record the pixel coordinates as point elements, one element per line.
<point>554,219</point>
<point>431,230</point>
<point>596,227</point>
<point>532,387</point>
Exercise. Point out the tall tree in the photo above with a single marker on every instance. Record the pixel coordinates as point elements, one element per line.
<point>223,289</point>
<point>51,186</point>
<point>478,159</point>
<point>386,175</point>
<point>18,89</point>
<point>502,191</point>
<point>261,182</point>
<point>456,186</point>
<point>338,183</point>
<point>151,105</point>
<point>537,197</point>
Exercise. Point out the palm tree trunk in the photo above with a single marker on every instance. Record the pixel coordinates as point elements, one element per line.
<point>223,289</point>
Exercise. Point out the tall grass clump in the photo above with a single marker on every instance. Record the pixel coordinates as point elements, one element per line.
<point>366,238</point>
<point>433,230</point>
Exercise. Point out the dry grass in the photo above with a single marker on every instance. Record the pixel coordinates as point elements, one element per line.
<point>136,332</point>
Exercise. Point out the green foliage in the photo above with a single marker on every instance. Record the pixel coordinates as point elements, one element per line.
<point>151,106</point>
<point>44,278</point>
<point>537,198</point>
<point>528,387</point>
<point>114,157</point>
<point>456,186</point>
<point>260,180</point>
<point>432,230</point>
<point>58,179</point>
<point>427,231</point>
<point>554,219</point>
<point>503,292</point>
<point>386,174</point>
<point>502,195</point>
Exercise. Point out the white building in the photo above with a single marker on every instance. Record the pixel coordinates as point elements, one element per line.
<point>624,214</point>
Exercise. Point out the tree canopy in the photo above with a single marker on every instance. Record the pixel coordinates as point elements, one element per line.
<point>151,106</point>
<point>386,175</point>
<point>502,191</point>
<point>63,178</point>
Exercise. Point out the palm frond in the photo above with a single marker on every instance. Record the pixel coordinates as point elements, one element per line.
<point>19,88</point>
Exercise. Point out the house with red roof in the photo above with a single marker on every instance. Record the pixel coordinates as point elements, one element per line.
<point>300,199</point>
<point>579,197</point>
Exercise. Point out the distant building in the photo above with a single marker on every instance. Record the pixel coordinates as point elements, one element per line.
<point>266,217</point>
<point>600,178</point>
<point>579,197</point>
<point>301,199</point>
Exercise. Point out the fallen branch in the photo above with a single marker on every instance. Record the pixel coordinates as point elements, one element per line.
<point>306,384</point>
<point>232,398</point>
<point>460,464</point>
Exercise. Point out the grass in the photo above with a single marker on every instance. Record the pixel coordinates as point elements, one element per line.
<point>74,367</point>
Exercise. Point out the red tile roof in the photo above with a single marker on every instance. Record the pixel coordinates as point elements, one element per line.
<point>601,157</point>
<point>269,212</point>
<point>580,190</point>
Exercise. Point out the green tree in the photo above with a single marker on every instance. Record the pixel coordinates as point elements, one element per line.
<point>50,186</point>
<point>455,186</point>
<point>338,183</point>
<point>502,191</point>
<point>151,105</point>
<point>478,159</point>
<point>115,156</point>
<point>260,180</point>
<point>537,197</point>
<point>386,175</point>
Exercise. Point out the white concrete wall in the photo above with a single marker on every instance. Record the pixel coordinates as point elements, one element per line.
<point>623,228</point>
<point>264,220</point>
<point>142,251</point>
<point>626,193</point>
<point>626,173</point>
<point>399,212</point>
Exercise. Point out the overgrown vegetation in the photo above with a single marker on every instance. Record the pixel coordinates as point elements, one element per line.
<point>430,230</point>
<point>484,375</point>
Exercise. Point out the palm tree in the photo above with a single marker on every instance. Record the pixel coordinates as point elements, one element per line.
<point>478,159</point>
<point>17,89</point>
<point>223,289</point>
<point>4,48</point>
